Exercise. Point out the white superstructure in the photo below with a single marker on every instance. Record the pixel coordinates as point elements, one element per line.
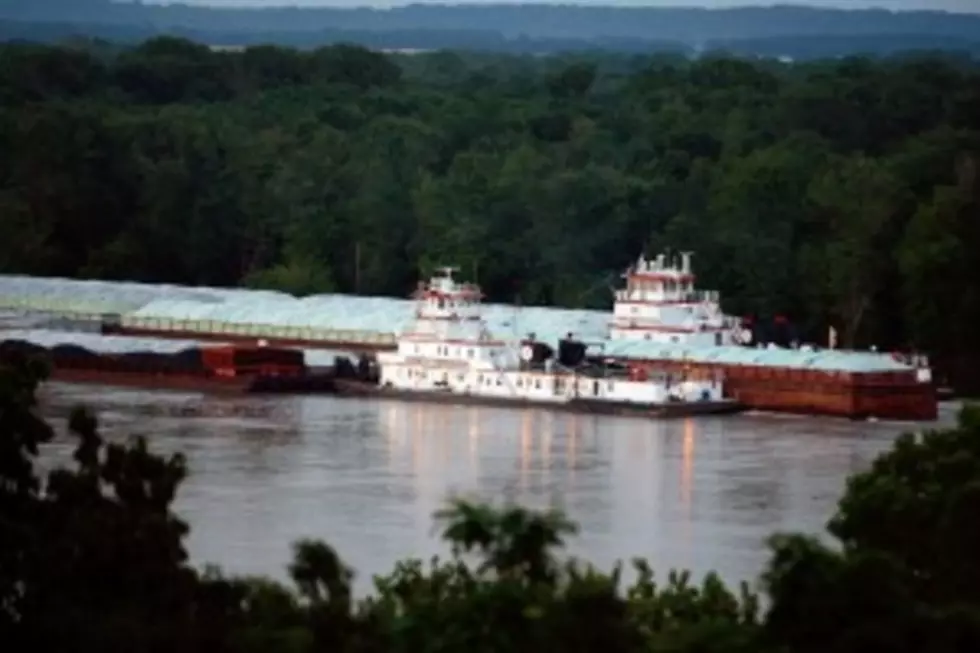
<point>661,304</point>
<point>449,350</point>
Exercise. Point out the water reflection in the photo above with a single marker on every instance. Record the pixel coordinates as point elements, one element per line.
<point>367,475</point>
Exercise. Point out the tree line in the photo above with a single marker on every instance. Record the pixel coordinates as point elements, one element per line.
<point>838,193</point>
<point>92,558</point>
<point>795,31</point>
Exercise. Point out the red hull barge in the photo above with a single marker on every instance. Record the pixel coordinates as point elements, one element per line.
<point>855,395</point>
<point>214,370</point>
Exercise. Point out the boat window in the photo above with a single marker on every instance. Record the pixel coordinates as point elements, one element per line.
<point>459,377</point>
<point>595,388</point>
<point>416,349</point>
<point>537,383</point>
<point>456,352</point>
<point>609,386</point>
<point>479,378</point>
<point>469,353</point>
<point>499,381</point>
<point>520,383</point>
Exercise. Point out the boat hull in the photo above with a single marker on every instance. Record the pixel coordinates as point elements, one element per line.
<point>190,370</point>
<point>891,396</point>
<point>315,383</point>
<point>359,389</point>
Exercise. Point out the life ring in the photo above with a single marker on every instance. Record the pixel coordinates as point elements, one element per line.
<point>527,353</point>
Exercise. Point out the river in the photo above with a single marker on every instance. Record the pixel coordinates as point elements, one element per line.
<point>366,476</point>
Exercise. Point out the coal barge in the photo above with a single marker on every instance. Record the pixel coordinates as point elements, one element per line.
<point>219,369</point>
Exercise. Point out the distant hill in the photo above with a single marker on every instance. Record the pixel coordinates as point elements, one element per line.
<point>790,31</point>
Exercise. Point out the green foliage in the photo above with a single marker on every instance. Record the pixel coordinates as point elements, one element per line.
<point>915,504</point>
<point>300,277</point>
<point>906,577</point>
<point>82,546</point>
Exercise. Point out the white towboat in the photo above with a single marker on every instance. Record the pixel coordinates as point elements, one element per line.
<point>660,304</point>
<point>448,355</point>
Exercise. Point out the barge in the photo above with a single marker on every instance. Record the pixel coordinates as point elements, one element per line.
<point>226,369</point>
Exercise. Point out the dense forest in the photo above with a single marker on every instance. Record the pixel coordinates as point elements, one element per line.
<point>92,558</point>
<point>797,32</point>
<point>837,193</point>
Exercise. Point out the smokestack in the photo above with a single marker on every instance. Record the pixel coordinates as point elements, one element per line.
<point>686,262</point>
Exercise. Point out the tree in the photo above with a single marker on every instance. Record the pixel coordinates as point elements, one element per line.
<point>906,576</point>
<point>858,200</point>
<point>935,257</point>
<point>93,558</point>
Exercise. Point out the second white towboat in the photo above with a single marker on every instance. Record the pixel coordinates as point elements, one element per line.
<point>448,356</point>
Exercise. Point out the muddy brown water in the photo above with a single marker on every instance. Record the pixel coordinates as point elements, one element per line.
<point>367,475</point>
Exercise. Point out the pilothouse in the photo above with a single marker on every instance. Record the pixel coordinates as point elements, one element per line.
<point>660,304</point>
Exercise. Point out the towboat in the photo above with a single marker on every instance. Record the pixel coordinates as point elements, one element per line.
<point>448,355</point>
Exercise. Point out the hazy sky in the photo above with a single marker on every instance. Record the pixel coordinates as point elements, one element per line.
<point>971,6</point>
